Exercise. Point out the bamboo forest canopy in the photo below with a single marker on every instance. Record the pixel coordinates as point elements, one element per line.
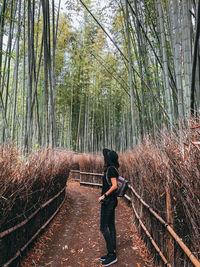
<point>88,74</point>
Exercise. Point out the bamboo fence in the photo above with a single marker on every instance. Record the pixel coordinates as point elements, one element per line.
<point>83,179</point>
<point>10,230</point>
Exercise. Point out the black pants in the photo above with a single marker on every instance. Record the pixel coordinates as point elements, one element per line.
<point>107,223</point>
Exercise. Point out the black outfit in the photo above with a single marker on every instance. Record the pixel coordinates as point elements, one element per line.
<point>108,205</point>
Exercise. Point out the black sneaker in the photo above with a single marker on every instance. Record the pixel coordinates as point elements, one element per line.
<point>103,258</point>
<point>111,259</point>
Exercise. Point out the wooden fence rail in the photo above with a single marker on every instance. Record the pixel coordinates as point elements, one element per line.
<point>16,227</point>
<point>10,230</point>
<point>186,250</point>
<point>83,178</point>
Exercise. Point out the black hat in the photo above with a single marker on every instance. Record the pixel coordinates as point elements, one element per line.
<point>111,157</point>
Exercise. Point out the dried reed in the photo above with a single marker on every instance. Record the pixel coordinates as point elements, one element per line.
<point>27,183</point>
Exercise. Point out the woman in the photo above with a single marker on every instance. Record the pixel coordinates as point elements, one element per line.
<point>108,204</point>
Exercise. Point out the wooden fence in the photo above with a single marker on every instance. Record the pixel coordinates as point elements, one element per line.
<point>15,240</point>
<point>92,179</point>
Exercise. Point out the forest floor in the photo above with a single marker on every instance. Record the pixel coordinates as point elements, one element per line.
<point>73,238</point>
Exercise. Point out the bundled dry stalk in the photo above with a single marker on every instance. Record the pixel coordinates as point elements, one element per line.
<point>169,167</point>
<point>25,185</point>
<point>163,171</point>
<point>166,174</point>
<point>88,163</point>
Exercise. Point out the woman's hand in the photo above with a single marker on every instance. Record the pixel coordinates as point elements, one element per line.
<point>101,198</point>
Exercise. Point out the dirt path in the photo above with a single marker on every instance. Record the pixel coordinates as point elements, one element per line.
<point>73,239</point>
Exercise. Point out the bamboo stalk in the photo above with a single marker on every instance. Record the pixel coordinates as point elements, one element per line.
<point>33,237</point>
<point>90,173</point>
<point>10,230</point>
<point>150,237</point>
<point>169,238</point>
<point>88,183</point>
<point>75,173</point>
<point>148,207</point>
<point>50,200</point>
<point>127,197</point>
<point>185,249</point>
<point>192,258</point>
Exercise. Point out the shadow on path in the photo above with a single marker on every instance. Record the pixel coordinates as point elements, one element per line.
<point>73,239</point>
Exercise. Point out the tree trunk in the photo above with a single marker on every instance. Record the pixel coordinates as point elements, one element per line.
<point>165,64</point>
<point>195,54</point>
<point>78,129</point>
<point>15,86</point>
<point>28,133</point>
<point>177,59</point>
<point>187,53</point>
<point>2,22</point>
<point>130,76</point>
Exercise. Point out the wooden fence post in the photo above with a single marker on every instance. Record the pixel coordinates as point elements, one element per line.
<point>141,207</point>
<point>169,248</point>
<point>169,217</point>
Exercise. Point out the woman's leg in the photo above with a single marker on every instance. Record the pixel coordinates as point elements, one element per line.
<point>112,229</point>
<point>106,218</point>
<point>111,226</point>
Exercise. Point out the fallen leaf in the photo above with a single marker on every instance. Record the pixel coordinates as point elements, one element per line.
<point>65,259</point>
<point>134,248</point>
<point>80,250</point>
<point>65,247</point>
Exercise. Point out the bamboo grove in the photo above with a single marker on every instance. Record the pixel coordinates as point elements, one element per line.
<point>94,74</point>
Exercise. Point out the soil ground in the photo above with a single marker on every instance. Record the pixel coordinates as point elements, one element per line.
<point>73,238</point>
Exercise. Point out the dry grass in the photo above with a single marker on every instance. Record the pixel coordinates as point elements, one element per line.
<point>88,163</point>
<point>27,183</point>
<point>175,160</point>
<point>172,159</point>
